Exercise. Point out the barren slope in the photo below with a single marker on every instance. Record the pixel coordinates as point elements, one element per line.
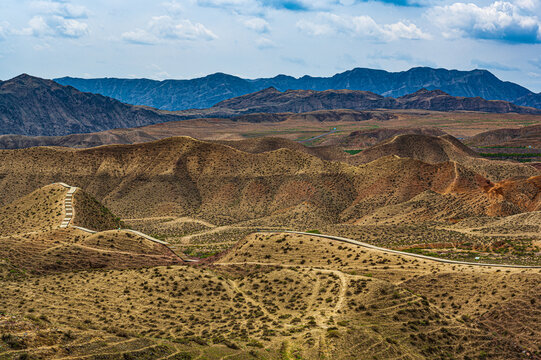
<point>43,209</point>
<point>434,150</point>
<point>520,137</point>
<point>186,177</point>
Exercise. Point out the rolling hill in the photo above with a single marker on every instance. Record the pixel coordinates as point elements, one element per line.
<point>68,293</point>
<point>433,150</point>
<point>207,91</point>
<point>186,177</point>
<point>199,128</point>
<point>33,240</point>
<point>512,137</point>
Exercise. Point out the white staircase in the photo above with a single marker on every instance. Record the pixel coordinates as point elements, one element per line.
<point>68,207</point>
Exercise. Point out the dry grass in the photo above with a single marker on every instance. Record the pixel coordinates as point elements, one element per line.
<point>69,250</point>
<point>275,296</point>
<point>42,209</point>
<point>90,214</point>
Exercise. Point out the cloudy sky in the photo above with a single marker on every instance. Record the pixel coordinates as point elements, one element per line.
<point>260,38</point>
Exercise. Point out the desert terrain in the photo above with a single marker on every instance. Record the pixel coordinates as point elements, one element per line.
<point>385,238</point>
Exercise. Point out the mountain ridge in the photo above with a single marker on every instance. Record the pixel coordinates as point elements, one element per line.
<point>271,100</point>
<point>209,90</point>
<point>35,106</point>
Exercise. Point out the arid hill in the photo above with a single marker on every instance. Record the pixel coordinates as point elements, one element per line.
<point>427,148</point>
<point>215,182</point>
<point>292,126</point>
<point>266,144</point>
<point>90,214</point>
<point>522,194</point>
<point>432,149</point>
<point>365,138</point>
<point>198,128</point>
<point>42,209</point>
<point>32,241</point>
<point>518,137</point>
<point>333,115</point>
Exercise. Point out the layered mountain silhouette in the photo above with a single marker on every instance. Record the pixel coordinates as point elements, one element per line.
<point>207,91</point>
<point>37,107</point>
<point>272,100</point>
<point>34,106</point>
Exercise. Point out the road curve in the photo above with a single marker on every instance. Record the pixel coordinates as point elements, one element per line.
<point>373,247</point>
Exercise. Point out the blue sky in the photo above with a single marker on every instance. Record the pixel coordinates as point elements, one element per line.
<point>261,38</point>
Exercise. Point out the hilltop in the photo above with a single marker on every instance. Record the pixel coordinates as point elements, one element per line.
<point>427,148</point>
<point>33,240</point>
<point>433,150</point>
<point>42,209</point>
<point>209,90</point>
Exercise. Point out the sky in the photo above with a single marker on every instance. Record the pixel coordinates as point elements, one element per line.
<point>262,38</point>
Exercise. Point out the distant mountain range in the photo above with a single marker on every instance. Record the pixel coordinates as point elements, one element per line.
<point>208,91</point>
<point>34,106</point>
<point>272,100</point>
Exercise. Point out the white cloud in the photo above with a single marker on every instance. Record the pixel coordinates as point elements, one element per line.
<point>56,19</point>
<point>139,36</point>
<point>60,8</point>
<point>257,24</point>
<point>162,28</point>
<point>314,29</point>
<point>265,43</point>
<point>404,30</point>
<point>527,4</point>
<point>501,20</point>
<point>55,26</point>
<point>361,27</point>
<point>167,28</point>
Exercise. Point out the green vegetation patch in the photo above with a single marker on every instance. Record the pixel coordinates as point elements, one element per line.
<point>510,155</point>
<point>353,152</point>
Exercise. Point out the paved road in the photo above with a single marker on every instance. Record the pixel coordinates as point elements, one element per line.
<point>317,137</point>
<point>69,216</point>
<point>373,247</point>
